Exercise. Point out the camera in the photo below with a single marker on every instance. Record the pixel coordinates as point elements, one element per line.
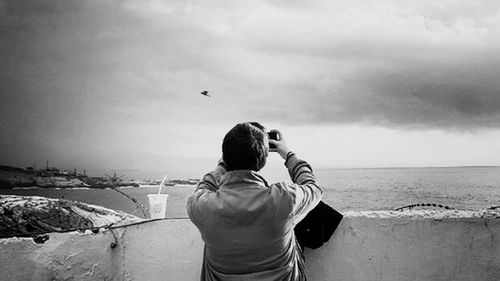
<point>273,135</point>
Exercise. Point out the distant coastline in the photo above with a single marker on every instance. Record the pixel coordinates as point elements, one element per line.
<point>12,177</point>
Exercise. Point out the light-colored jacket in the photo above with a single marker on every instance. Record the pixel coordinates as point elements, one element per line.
<point>247,225</point>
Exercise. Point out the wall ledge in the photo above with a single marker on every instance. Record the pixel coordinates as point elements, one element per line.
<point>378,214</point>
<point>426,214</point>
<point>457,245</point>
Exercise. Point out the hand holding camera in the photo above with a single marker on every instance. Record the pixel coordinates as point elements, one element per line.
<point>277,143</point>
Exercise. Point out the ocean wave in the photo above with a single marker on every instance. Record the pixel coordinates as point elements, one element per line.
<point>71,188</point>
<point>127,187</point>
<point>52,187</point>
<point>26,187</point>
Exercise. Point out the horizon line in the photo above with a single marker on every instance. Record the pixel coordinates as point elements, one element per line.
<point>408,167</point>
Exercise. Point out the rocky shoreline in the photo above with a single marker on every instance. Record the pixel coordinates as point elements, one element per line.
<point>30,216</point>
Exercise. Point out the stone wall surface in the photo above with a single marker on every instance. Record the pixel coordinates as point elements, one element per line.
<point>65,256</point>
<point>399,249</point>
<point>366,246</point>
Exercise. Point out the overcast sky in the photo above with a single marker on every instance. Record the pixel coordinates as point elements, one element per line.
<point>116,84</point>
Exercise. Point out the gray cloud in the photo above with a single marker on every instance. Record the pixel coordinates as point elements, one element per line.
<point>95,72</point>
<point>395,68</point>
<point>390,63</point>
<point>453,101</point>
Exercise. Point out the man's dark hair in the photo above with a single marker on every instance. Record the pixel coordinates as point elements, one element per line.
<point>245,147</point>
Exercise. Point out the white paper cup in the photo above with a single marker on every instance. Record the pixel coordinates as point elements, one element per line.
<point>157,205</point>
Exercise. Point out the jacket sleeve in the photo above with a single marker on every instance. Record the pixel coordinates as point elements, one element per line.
<point>208,184</point>
<point>211,181</point>
<point>305,192</point>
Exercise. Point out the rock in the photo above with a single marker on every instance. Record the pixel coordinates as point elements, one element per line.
<point>9,179</point>
<point>59,182</point>
<point>30,216</point>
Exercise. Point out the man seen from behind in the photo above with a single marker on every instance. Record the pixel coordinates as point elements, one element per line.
<point>248,225</point>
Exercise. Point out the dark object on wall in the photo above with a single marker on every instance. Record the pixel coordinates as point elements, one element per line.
<point>40,239</point>
<point>318,226</point>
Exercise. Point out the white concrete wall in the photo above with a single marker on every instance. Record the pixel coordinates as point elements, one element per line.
<point>374,248</point>
<point>71,256</point>
<point>367,246</point>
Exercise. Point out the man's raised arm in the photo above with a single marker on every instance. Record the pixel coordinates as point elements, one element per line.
<point>208,184</point>
<point>305,191</point>
<point>212,180</point>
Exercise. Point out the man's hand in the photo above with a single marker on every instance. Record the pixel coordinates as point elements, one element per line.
<point>281,146</point>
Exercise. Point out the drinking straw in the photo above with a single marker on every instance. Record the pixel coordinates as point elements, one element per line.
<point>161,184</point>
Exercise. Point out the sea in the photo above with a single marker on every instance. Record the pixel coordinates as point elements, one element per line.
<point>462,188</point>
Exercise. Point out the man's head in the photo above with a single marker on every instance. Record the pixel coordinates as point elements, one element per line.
<point>245,147</point>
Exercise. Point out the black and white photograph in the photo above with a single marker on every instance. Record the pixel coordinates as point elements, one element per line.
<point>145,140</point>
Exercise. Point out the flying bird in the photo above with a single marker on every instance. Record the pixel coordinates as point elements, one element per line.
<point>205,93</point>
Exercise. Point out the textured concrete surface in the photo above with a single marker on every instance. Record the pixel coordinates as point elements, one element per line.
<point>381,247</point>
<point>69,256</point>
<point>418,245</point>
